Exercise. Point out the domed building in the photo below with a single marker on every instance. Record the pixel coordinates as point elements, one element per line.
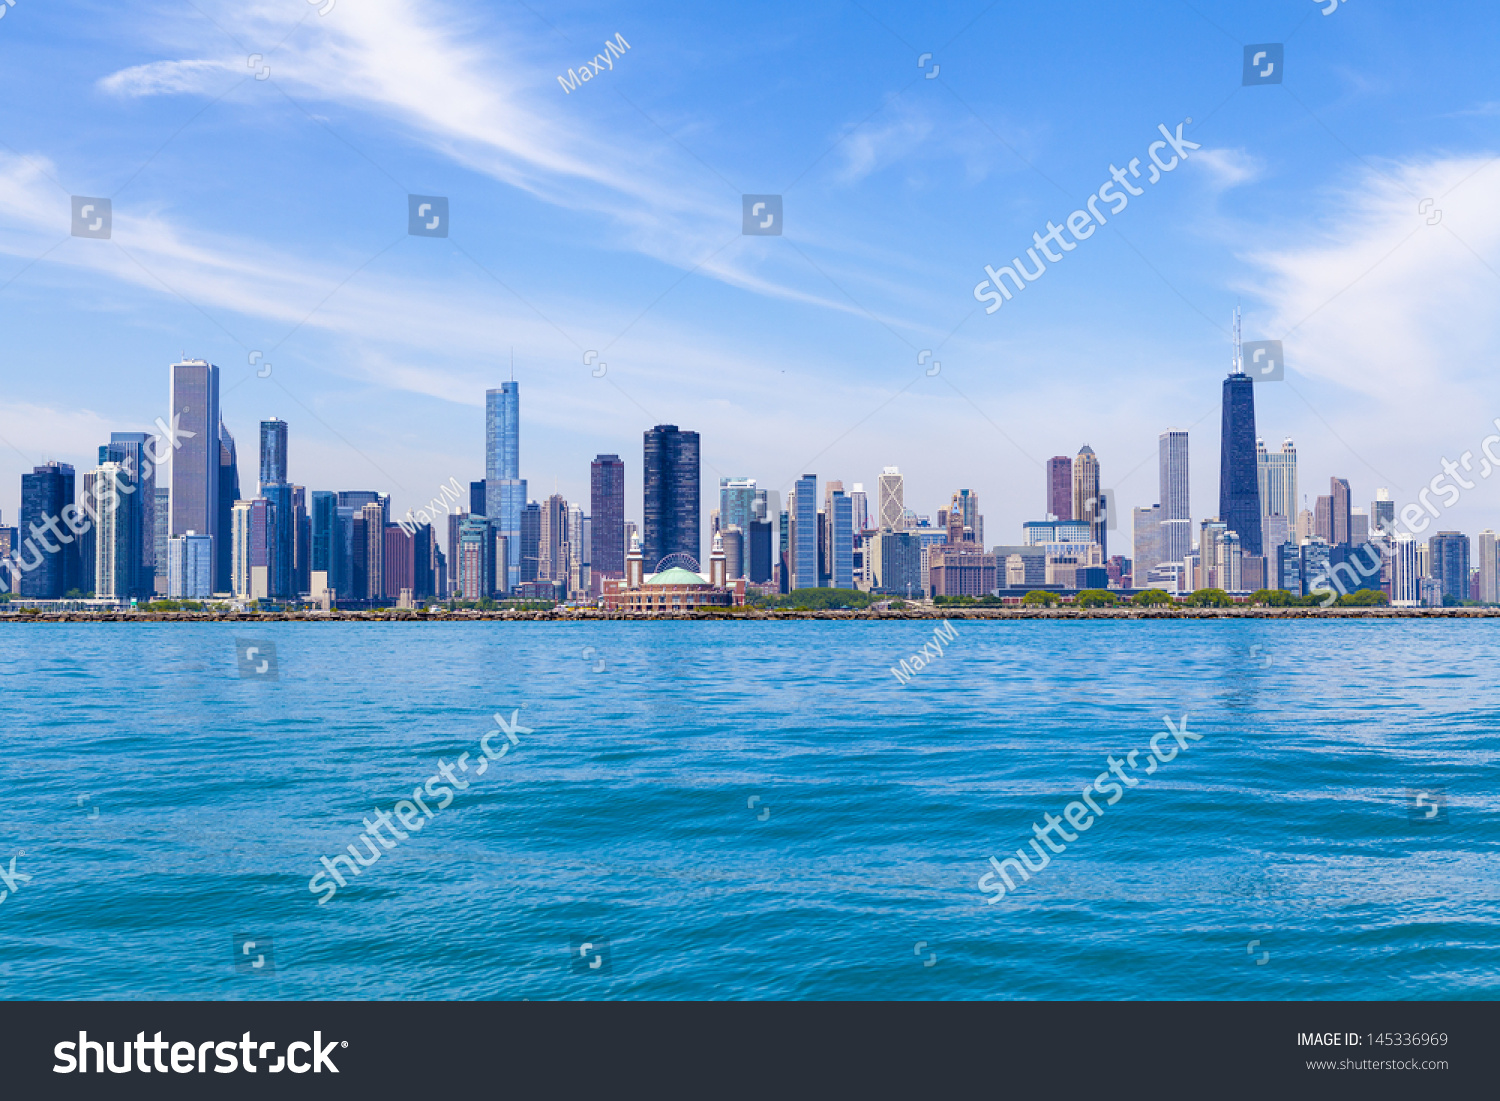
<point>674,589</point>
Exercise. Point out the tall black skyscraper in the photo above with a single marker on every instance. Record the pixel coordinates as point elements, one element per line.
<point>130,449</point>
<point>227,486</point>
<point>671,515</point>
<point>48,554</point>
<point>607,510</point>
<point>282,537</point>
<point>1239,477</point>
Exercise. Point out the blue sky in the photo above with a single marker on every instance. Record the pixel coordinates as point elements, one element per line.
<point>269,215</point>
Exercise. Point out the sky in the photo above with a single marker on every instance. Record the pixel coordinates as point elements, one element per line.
<point>259,157</point>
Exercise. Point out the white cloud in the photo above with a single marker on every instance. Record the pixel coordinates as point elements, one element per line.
<point>167,78</point>
<point>1228,167</point>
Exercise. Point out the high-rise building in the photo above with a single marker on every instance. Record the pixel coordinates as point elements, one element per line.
<point>114,565</point>
<point>281,540</point>
<point>552,563</point>
<point>1060,487</point>
<point>896,563</point>
<point>375,520</point>
<point>49,569</point>
<point>892,500</point>
<point>1148,538</point>
<point>1489,567</point>
<point>1088,501</point>
<point>85,547</point>
<point>964,522</point>
<point>161,520</point>
<point>504,488</point>
<point>1306,527</point>
<point>1323,519</point>
<point>1449,552</point>
<point>859,501</point>
<point>272,452</point>
<point>1278,487</point>
<point>195,464</point>
<point>736,503</point>
<point>229,493</point>
<point>1382,513</point>
<point>607,513</point>
<point>476,559</point>
<point>804,534</point>
<point>1239,476</point>
<point>842,551</point>
<point>671,516</point>
<point>302,542</point>
<point>133,452</point>
<point>733,541</point>
<point>1340,516</point>
<point>1406,574</point>
<point>324,538</point>
<point>250,533</point>
<point>190,567</point>
<point>760,551</point>
<point>1359,527</point>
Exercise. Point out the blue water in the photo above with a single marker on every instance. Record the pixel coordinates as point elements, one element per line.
<point>625,812</point>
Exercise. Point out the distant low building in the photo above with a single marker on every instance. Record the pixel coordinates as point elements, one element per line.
<point>676,589</point>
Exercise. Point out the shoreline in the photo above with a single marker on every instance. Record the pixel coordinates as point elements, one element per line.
<point>590,615</point>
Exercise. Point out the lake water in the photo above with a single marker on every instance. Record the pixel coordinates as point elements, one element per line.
<point>751,810</point>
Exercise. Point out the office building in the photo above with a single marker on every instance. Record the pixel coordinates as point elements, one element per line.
<point>161,520</point>
<point>1147,551</point>
<point>671,516</point>
<point>963,570</point>
<point>1382,513</point>
<point>250,549</point>
<point>1340,517</point>
<point>733,540</point>
<point>1323,518</point>
<point>1489,567</point>
<point>804,533</point>
<point>1359,527</point>
<point>48,569</point>
<point>114,564</point>
<point>607,511</point>
<point>195,465</point>
<point>1173,495</point>
<point>965,525</point>
<point>892,500</point>
<point>736,503</point>
<point>842,528</point>
<point>1406,574</point>
<point>1060,487</point>
<point>859,501</point>
<point>281,540</point>
<point>895,563</point>
<point>504,488</point>
<point>375,520</point>
<point>1088,500</point>
<point>324,539</point>
<point>272,452</point>
<point>1278,491</point>
<point>476,554</point>
<point>190,566</point>
<point>132,451</point>
<point>1036,533</point>
<point>229,492</point>
<point>1239,475</point>
<point>1449,553</point>
<point>531,543</point>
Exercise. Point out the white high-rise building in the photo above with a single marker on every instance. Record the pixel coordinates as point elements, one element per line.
<point>1149,536</point>
<point>1406,573</point>
<point>1173,496</point>
<point>1278,478</point>
<point>1489,567</point>
<point>190,566</point>
<point>860,502</point>
<point>892,500</point>
<point>112,534</point>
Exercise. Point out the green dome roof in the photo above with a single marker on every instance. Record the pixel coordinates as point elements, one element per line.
<point>676,576</point>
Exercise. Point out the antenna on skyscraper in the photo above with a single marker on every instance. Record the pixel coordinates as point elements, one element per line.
<point>513,363</point>
<point>1237,365</point>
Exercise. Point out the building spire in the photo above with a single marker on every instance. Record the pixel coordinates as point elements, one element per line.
<point>1237,358</point>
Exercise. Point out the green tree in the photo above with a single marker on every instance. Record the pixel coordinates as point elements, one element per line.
<point>1151,597</point>
<point>1095,598</point>
<point>1040,596</point>
<point>1363,598</point>
<point>1210,598</point>
<point>1274,598</point>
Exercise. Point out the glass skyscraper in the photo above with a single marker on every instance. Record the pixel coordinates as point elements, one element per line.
<point>671,509</point>
<point>1173,496</point>
<point>804,536</point>
<point>272,451</point>
<point>843,541</point>
<point>46,573</point>
<point>229,493</point>
<point>504,489</point>
<point>1239,474</point>
<point>195,464</point>
<point>607,512</point>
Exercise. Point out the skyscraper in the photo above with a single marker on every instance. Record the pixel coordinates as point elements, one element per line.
<point>1174,496</point>
<point>1341,520</point>
<point>1489,567</point>
<point>326,557</point>
<point>114,565</point>
<point>504,488</point>
<point>195,464</point>
<point>1149,535</point>
<point>375,518</point>
<point>842,530</point>
<point>1088,502</point>
<point>1060,487</point>
<point>229,493</point>
<point>131,451</point>
<point>161,521</point>
<point>804,533</point>
<point>736,503</point>
<point>1239,476</point>
<point>530,540</point>
<point>964,523</point>
<point>49,569</point>
<point>1323,518</point>
<point>670,517</point>
<point>892,500</point>
<point>1449,551</point>
<point>249,539</point>
<point>190,566</point>
<point>1382,513</point>
<point>860,502</point>
<point>272,452</point>
<point>607,511</point>
<point>1277,479</point>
